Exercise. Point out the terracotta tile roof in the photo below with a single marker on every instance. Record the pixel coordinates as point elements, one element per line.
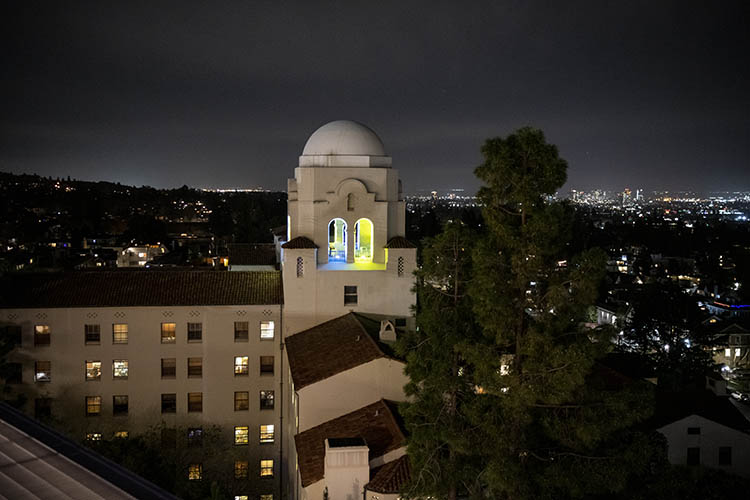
<point>134,288</point>
<point>375,423</point>
<point>391,477</point>
<point>252,254</point>
<point>399,242</point>
<point>330,348</point>
<point>300,242</point>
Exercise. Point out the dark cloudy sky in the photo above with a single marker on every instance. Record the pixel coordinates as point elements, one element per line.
<point>651,94</point>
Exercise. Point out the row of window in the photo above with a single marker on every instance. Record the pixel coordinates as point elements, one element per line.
<point>92,333</point>
<point>737,352</point>
<point>694,455</point>
<point>241,471</point>
<point>169,403</point>
<point>120,369</point>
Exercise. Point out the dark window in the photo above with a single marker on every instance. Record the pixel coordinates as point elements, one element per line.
<point>241,401</point>
<point>13,334</point>
<point>400,323</point>
<point>693,456</point>
<point>725,455</point>
<point>195,436</point>
<point>266,365</point>
<point>92,334</point>
<point>266,400</point>
<point>350,295</point>
<point>119,405</point>
<point>195,401</point>
<point>41,335</point>
<point>241,469</point>
<point>241,331</point>
<point>693,430</point>
<point>42,407</point>
<point>168,403</point>
<point>12,373</point>
<point>195,367</point>
<point>195,332</point>
<point>168,437</point>
<point>168,367</point>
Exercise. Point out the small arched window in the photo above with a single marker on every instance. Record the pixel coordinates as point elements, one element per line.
<point>300,267</point>
<point>400,266</point>
<point>350,202</point>
<point>363,240</point>
<point>337,240</point>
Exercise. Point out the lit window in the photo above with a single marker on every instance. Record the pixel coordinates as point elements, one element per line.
<point>266,433</point>
<point>266,365</point>
<point>337,240</point>
<point>168,367</point>
<point>266,468</point>
<point>737,351</point>
<point>168,333</point>
<point>241,401</point>
<point>43,371</point>
<point>121,434</point>
<point>41,335</point>
<point>120,369</point>
<point>240,497</point>
<point>241,469</point>
<point>727,352</point>
<point>240,365</point>
<point>119,405</point>
<point>363,241</point>
<point>195,332</point>
<point>266,330</point>
<point>241,331</point>
<point>93,370</point>
<point>195,367</point>
<point>92,334</point>
<point>195,436</point>
<point>93,406</point>
<point>195,472</point>
<point>350,295</point>
<point>120,333</point>
<point>168,403</point>
<point>266,497</point>
<point>94,436</point>
<point>195,401</point>
<point>241,435</point>
<point>266,400</point>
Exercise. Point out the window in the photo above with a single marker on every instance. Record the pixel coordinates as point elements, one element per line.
<point>241,401</point>
<point>195,367</point>
<point>266,468</point>
<point>13,373</point>
<point>266,433</point>
<point>93,406</point>
<point>363,241</point>
<point>266,400</point>
<point>42,371</point>
<point>195,401</point>
<point>266,330</point>
<point>168,367</point>
<point>737,352</point>
<point>240,365</point>
<point>41,335</point>
<point>693,430</point>
<point>693,456</point>
<point>350,202</point>
<point>241,331</point>
<point>300,267</point>
<point>120,369</point>
<point>350,295</point>
<point>400,322</point>
<point>42,407</point>
<point>266,497</point>
<point>119,405</point>
<point>400,266</point>
<point>241,469</point>
<point>120,333</point>
<point>121,434</point>
<point>195,472</point>
<point>266,365</point>
<point>168,403</point>
<point>725,455</point>
<point>93,370</point>
<point>168,437</point>
<point>92,334</point>
<point>240,497</point>
<point>241,435</point>
<point>337,240</point>
<point>727,352</point>
<point>195,332</point>
<point>195,436</point>
<point>13,333</point>
<point>168,333</point>
<point>93,436</point>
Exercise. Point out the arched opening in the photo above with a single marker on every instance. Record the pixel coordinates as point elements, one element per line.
<point>337,240</point>
<point>363,240</point>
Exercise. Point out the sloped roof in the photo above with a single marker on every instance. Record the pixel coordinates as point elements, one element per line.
<point>399,242</point>
<point>332,347</point>
<point>376,424</point>
<point>391,477</point>
<point>134,288</point>
<point>718,409</point>
<point>300,242</point>
<point>252,254</point>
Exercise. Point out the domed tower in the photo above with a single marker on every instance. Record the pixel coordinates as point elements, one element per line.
<point>346,249</point>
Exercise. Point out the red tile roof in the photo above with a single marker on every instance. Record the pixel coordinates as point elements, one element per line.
<point>135,288</point>
<point>391,477</point>
<point>300,242</point>
<point>376,424</point>
<point>399,242</point>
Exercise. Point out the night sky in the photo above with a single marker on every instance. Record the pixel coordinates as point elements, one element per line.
<point>650,94</point>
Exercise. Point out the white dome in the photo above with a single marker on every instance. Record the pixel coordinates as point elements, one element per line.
<point>344,137</point>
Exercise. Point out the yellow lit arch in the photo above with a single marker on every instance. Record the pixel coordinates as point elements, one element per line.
<point>363,244</point>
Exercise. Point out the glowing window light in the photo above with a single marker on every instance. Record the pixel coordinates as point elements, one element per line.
<point>337,240</point>
<point>363,240</point>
